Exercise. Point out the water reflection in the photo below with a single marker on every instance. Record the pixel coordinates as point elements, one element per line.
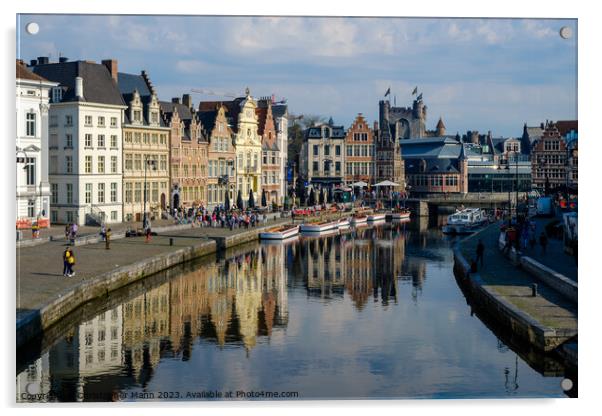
<point>354,287</point>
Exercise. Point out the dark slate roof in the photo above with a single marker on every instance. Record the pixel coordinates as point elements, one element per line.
<point>146,100</point>
<point>207,119</point>
<point>279,110</point>
<point>444,147</point>
<point>183,111</point>
<point>98,85</point>
<point>130,82</point>
<point>338,132</point>
<point>432,165</point>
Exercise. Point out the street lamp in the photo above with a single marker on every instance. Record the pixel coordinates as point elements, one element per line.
<point>153,163</point>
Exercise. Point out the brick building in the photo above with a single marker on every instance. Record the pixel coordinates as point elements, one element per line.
<point>549,159</point>
<point>359,152</point>
<point>271,169</point>
<point>188,156</point>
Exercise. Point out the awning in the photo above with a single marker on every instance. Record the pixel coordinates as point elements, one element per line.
<point>386,183</point>
<point>360,184</point>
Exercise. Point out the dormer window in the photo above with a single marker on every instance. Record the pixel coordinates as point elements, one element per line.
<point>154,117</point>
<point>57,94</point>
<point>137,116</point>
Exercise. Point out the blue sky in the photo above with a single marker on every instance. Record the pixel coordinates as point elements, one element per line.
<point>479,74</point>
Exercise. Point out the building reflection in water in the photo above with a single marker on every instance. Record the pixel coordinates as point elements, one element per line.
<point>235,301</point>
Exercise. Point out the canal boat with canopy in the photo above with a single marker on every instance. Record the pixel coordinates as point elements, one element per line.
<point>318,227</point>
<point>466,221</point>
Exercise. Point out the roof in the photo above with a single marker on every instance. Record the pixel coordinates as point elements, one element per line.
<point>337,132</point>
<point>565,126</point>
<point>23,72</point>
<point>98,85</point>
<point>207,119</point>
<point>440,124</point>
<point>433,147</point>
<point>280,110</point>
<point>232,110</point>
<point>183,111</point>
<point>129,82</point>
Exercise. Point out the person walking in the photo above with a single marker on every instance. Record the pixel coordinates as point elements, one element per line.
<point>148,234</point>
<point>108,239</point>
<point>69,257</point>
<point>480,252</point>
<point>543,241</point>
<point>66,255</point>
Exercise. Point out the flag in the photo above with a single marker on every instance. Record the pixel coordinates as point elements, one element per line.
<point>415,91</point>
<point>419,97</point>
<point>388,91</point>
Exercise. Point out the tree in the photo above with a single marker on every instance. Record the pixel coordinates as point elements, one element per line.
<point>251,199</point>
<point>312,198</point>
<point>264,201</point>
<point>239,203</point>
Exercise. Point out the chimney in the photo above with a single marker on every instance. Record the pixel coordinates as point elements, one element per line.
<point>79,87</point>
<point>63,59</point>
<point>43,60</point>
<point>187,100</point>
<point>175,100</point>
<point>33,62</point>
<point>111,65</point>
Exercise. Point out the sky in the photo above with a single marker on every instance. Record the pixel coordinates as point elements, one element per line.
<point>477,74</point>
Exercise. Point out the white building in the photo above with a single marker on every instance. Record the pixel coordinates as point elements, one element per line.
<point>33,188</point>
<point>85,141</point>
<point>280,113</point>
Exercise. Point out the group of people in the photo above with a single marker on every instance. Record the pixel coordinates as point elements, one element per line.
<point>218,217</point>
<point>522,234</point>
<point>71,232</point>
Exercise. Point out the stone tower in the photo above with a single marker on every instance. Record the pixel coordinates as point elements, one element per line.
<point>440,128</point>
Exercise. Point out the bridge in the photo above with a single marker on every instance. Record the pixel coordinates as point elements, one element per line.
<point>448,203</point>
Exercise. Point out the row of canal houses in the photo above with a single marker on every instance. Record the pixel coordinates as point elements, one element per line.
<point>98,145</point>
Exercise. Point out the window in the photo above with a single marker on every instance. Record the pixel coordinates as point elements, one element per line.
<point>30,124</point>
<point>113,164</point>
<point>101,193</point>
<point>138,162</point>
<point>337,167</point>
<point>113,121</point>
<point>128,192</point>
<point>155,191</point>
<point>128,161</point>
<point>113,191</point>
<point>70,194</point>
<point>337,150</point>
<point>101,140</point>
<point>137,137</point>
<point>88,121</point>
<point>69,164</point>
<point>327,150</point>
<point>155,138</point>
<point>350,150</point>
<point>101,121</point>
<point>57,94</point>
<point>31,207</point>
<point>54,199</point>
<point>68,121</point>
<point>88,193</point>
<point>30,170</point>
<point>128,136</point>
<point>54,216</point>
<point>138,192</point>
<point>88,164</point>
<point>70,219</point>
<point>113,215</point>
<point>88,140</point>
<point>163,163</point>
<point>155,117</point>
<point>316,150</point>
<point>101,164</point>
<point>114,141</point>
<point>316,167</point>
<point>137,116</point>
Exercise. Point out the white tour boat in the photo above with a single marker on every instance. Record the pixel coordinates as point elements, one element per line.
<point>359,219</point>
<point>403,214</point>
<point>280,233</point>
<point>318,227</point>
<point>464,222</point>
<point>344,224</point>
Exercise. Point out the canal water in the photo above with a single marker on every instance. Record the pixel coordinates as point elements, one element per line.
<point>372,313</point>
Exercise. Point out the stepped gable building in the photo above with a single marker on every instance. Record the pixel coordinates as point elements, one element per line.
<point>359,152</point>
<point>551,154</point>
<point>85,147</point>
<point>33,187</point>
<point>322,155</point>
<point>145,149</point>
<point>188,156</point>
<point>243,121</point>
<point>221,176</point>
<point>271,162</point>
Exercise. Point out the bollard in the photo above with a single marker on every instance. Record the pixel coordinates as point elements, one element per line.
<point>171,241</point>
<point>534,289</point>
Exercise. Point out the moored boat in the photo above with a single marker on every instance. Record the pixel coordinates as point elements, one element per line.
<point>402,214</point>
<point>318,227</point>
<point>344,224</point>
<point>466,221</point>
<point>280,233</point>
<point>359,219</point>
